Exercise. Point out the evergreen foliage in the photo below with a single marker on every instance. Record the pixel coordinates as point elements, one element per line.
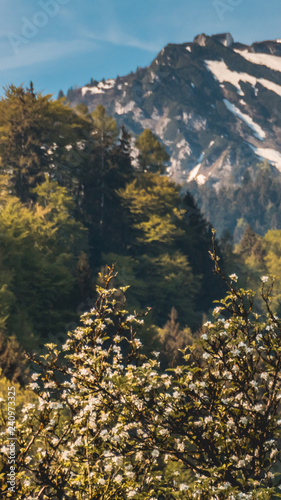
<point>12,360</point>
<point>39,247</point>
<point>71,201</point>
<point>255,256</point>
<point>256,202</point>
<point>105,167</point>
<point>167,234</point>
<point>173,340</point>
<point>36,136</point>
<point>152,154</point>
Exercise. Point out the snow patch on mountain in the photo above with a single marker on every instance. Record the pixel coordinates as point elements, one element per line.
<point>194,174</point>
<point>99,88</point>
<point>91,90</point>
<point>201,179</point>
<point>270,155</point>
<point>258,131</point>
<point>222,73</point>
<point>121,110</point>
<point>268,60</point>
<point>109,84</point>
<point>270,86</point>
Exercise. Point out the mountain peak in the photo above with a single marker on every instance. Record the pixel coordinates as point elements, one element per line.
<point>214,103</point>
<point>201,39</point>
<point>225,39</point>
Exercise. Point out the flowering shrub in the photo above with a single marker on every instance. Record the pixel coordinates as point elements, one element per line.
<point>109,424</point>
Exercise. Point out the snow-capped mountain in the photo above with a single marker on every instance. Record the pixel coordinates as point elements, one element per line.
<point>216,104</point>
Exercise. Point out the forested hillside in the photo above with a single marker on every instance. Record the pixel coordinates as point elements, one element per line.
<point>72,202</point>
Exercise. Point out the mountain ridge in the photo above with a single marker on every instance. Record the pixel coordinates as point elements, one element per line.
<point>215,104</point>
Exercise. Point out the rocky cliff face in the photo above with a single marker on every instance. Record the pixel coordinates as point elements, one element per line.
<point>214,103</point>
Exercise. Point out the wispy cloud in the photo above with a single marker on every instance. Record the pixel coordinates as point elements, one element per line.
<point>50,50</point>
<point>117,37</point>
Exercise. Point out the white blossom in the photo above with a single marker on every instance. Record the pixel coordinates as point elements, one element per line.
<point>55,405</point>
<point>217,310</point>
<point>208,324</point>
<point>236,352</point>
<point>230,423</point>
<point>258,408</point>
<point>34,385</point>
<point>208,419</point>
<point>132,493</point>
<point>184,487</point>
<point>241,463</point>
<point>254,384</point>
<point>50,385</point>
<point>155,453</point>
<point>244,420</point>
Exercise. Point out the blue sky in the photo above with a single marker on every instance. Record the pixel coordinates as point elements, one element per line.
<point>62,43</point>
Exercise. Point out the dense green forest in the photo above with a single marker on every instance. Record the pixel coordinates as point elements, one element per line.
<point>255,201</point>
<point>72,202</point>
<point>129,384</point>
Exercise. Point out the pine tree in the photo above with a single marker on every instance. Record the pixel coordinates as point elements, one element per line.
<point>173,339</point>
<point>104,135</point>
<point>105,169</point>
<point>12,360</point>
<point>197,244</point>
<point>37,136</point>
<point>152,154</point>
<point>156,220</point>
